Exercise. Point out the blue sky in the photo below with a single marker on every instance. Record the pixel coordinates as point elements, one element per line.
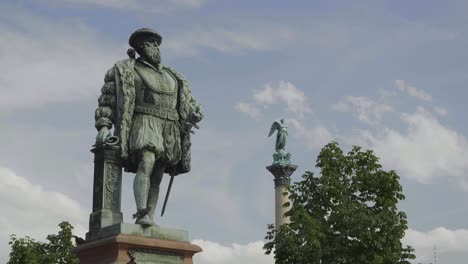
<point>387,75</point>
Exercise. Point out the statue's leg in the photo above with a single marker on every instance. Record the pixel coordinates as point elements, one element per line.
<point>153,193</point>
<point>141,185</point>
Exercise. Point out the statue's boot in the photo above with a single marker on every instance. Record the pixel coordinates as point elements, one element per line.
<point>140,191</point>
<point>153,196</point>
<point>142,209</point>
<point>141,187</point>
<point>144,221</point>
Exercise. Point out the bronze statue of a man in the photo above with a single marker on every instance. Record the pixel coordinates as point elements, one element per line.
<point>152,111</point>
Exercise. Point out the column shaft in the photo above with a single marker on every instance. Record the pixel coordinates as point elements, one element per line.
<point>280,200</point>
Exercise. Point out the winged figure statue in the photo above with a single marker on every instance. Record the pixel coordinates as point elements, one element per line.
<point>281,136</point>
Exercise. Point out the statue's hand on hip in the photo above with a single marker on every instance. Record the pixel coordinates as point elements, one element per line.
<point>102,135</point>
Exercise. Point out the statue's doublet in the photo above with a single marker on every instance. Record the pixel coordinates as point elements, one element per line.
<point>155,125</point>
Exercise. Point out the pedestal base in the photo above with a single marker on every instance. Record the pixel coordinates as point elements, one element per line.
<point>131,249</point>
<point>138,230</point>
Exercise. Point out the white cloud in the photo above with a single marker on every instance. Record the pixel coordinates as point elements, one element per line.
<point>236,41</point>
<point>288,93</point>
<point>444,239</point>
<point>248,109</point>
<point>284,92</point>
<point>294,98</point>
<point>427,148</point>
<point>104,3</point>
<point>214,253</point>
<point>45,62</point>
<point>266,96</point>
<point>31,210</point>
<point>364,108</point>
<point>148,6</point>
<point>188,3</point>
<point>440,110</point>
<point>413,91</point>
<point>384,93</point>
<point>314,137</point>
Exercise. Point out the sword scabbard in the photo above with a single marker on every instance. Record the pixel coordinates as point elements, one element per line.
<point>167,195</point>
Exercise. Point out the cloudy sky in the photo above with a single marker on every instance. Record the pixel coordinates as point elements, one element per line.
<point>386,75</point>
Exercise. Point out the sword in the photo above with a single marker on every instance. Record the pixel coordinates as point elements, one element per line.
<point>167,195</point>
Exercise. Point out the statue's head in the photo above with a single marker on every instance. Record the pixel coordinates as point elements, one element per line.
<point>146,43</point>
<point>282,121</point>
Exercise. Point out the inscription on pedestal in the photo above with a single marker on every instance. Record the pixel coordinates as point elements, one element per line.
<point>144,256</point>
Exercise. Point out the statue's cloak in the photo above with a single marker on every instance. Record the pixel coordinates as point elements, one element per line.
<point>123,73</point>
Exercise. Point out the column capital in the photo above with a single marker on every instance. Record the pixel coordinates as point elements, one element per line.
<point>282,173</point>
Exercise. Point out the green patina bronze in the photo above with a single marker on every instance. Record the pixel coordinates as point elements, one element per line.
<point>152,111</point>
<point>281,157</point>
<point>139,230</point>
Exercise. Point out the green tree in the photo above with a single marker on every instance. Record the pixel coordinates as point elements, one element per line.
<point>348,215</point>
<point>57,249</point>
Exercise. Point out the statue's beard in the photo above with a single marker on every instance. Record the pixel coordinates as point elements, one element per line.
<point>151,55</point>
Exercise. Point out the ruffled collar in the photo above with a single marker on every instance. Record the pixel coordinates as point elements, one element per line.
<point>156,68</point>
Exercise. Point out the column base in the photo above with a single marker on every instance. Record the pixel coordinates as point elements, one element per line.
<point>131,249</point>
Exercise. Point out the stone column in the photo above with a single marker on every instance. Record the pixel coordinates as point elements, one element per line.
<point>282,174</point>
<point>107,189</point>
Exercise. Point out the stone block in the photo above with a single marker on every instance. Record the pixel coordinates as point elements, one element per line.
<point>131,249</point>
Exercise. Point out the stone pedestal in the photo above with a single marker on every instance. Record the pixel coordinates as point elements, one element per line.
<point>282,174</point>
<point>107,188</point>
<point>109,240</point>
<point>131,249</point>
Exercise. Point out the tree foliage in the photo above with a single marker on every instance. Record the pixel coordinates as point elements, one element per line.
<point>348,215</point>
<point>56,250</point>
